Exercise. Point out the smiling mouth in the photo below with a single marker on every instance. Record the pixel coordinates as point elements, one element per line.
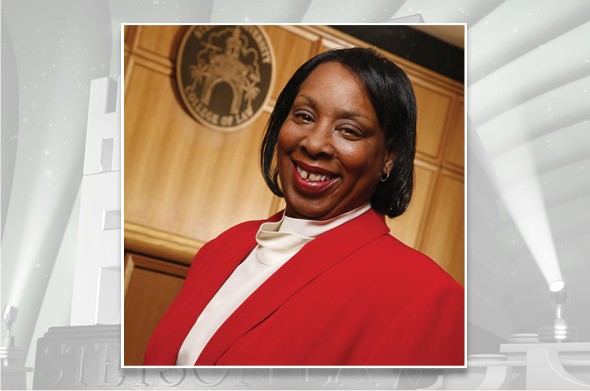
<point>311,177</point>
<point>312,182</point>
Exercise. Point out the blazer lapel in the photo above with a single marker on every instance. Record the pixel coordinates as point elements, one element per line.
<point>208,279</point>
<point>314,258</point>
<point>217,270</point>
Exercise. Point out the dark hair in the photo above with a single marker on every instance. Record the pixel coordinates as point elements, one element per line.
<point>394,103</point>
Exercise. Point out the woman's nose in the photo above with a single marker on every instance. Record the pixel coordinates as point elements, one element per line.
<point>318,140</point>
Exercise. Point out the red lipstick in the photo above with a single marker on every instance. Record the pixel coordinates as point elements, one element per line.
<point>313,169</point>
<point>309,186</point>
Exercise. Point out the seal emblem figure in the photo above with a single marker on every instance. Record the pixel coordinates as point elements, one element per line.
<point>225,74</point>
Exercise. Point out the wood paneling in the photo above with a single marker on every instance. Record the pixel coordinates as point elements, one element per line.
<point>408,227</point>
<point>444,237</point>
<point>147,240</point>
<point>151,286</point>
<point>159,43</point>
<point>433,110</point>
<point>178,173</point>
<point>455,154</point>
<point>125,61</point>
<point>129,36</point>
<point>291,51</point>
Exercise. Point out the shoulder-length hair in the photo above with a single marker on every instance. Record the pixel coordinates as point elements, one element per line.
<point>394,103</point>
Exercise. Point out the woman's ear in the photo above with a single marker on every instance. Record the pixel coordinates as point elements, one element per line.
<point>388,163</point>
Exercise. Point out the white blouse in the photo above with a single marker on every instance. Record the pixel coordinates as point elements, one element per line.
<point>277,243</point>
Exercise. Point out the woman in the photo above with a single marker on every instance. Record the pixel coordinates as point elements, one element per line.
<point>323,283</point>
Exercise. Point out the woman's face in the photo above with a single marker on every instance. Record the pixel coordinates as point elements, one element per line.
<point>331,149</point>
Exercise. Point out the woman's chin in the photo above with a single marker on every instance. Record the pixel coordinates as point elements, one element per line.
<point>306,212</point>
<point>306,209</point>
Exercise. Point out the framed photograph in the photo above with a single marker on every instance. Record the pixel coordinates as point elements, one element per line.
<point>318,174</point>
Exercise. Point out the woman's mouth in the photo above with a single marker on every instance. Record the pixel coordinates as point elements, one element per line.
<point>313,177</point>
<point>312,182</point>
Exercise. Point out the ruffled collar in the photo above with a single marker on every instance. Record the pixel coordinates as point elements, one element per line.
<point>277,241</point>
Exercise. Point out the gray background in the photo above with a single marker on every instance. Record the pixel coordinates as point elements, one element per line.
<point>528,65</point>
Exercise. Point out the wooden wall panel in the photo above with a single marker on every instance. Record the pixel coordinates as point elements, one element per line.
<point>129,36</point>
<point>408,227</point>
<point>125,62</point>
<point>159,42</point>
<point>329,45</point>
<point>178,172</point>
<point>444,238</point>
<point>433,110</point>
<point>291,51</point>
<point>455,154</point>
<point>151,286</point>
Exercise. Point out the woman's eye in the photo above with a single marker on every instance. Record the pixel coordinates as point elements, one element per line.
<point>350,132</point>
<point>303,117</point>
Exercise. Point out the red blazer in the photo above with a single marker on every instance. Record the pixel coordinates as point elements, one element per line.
<point>353,296</point>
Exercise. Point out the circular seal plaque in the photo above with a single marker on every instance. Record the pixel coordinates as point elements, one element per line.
<point>225,74</point>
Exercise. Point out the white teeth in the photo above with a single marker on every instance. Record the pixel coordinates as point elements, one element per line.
<point>302,173</point>
<point>312,177</point>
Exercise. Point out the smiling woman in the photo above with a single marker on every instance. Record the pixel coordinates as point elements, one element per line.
<point>366,135</point>
<point>323,282</point>
<point>331,149</point>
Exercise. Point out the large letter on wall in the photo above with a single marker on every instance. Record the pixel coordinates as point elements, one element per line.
<point>97,288</point>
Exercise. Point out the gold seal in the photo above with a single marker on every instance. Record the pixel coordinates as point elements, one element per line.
<point>225,74</point>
